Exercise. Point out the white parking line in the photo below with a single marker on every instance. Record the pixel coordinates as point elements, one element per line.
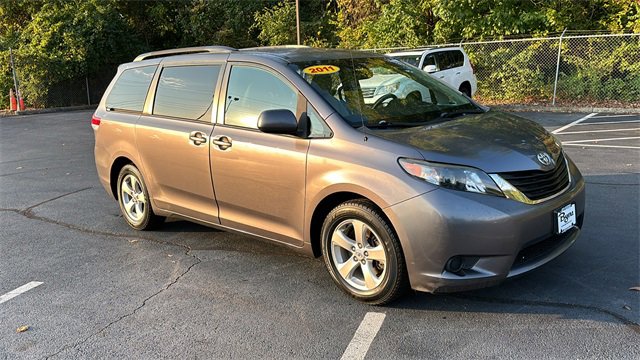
<point>596,140</point>
<point>605,146</point>
<point>22,289</point>
<point>597,131</point>
<point>610,116</point>
<point>574,123</point>
<point>608,122</point>
<point>364,336</point>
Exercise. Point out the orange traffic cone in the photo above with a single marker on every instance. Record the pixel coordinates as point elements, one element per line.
<point>12,100</point>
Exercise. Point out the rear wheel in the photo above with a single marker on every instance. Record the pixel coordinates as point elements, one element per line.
<point>363,254</point>
<point>133,198</point>
<point>465,88</point>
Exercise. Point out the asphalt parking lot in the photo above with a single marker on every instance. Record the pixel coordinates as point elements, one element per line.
<point>90,287</point>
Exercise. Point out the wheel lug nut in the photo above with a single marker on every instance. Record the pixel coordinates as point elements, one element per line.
<point>363,262</point>
<point>355,258</point>
<point>360,245</point>
<point>366,253</point>
<point>353,248</point>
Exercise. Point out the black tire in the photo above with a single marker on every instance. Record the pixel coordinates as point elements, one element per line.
<point>147,219</point>
<point>394,280</point>
<point>465,88</point>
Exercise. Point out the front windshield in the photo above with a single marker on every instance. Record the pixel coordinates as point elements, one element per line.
<point>381,91</point>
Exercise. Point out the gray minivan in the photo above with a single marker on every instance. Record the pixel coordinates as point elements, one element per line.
<point>421,188</point>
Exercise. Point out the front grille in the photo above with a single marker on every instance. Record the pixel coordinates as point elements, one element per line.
<point>539,184</point>
<point>541,249</point>
<point>368,92</point>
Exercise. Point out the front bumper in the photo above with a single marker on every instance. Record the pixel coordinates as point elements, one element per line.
<point>504,237</point>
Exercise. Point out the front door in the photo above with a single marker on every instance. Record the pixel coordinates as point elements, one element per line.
<point>259,178</point>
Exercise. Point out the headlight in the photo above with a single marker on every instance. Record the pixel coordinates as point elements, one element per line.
<point>387,89</point>
<point>451,176</point>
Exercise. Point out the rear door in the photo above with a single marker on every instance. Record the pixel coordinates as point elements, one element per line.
<point>123,106</point>
<point>173,139</point>
<point>259,178</point>
<point>450,63</point>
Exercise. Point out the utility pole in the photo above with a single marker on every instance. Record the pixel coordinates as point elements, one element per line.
<point>298,20</point>
<point>555,83</point>
<point>15,80</point>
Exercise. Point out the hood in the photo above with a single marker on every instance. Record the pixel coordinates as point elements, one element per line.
<point>493,141</point>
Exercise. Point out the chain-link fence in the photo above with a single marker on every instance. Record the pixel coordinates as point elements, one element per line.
<point>583,70</point>
<point>75,91</point>
<point>83,90</point>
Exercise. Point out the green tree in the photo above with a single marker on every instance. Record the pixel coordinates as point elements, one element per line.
<point>67,39</point>
<point>276,25</point>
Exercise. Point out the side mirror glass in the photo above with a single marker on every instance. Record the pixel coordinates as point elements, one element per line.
<point>430,69</point>
<point>278,122</point>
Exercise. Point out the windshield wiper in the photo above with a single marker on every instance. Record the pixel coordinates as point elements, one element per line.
<point>455,113</point>
<point>385,125</point>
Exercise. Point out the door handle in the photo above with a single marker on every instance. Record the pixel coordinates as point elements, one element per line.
<point>458,73</point>
<point>198,137</point>
<point>223,142</point>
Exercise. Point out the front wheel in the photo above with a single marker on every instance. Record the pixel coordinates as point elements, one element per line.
<point>134,200</point>
<point>363,254</point>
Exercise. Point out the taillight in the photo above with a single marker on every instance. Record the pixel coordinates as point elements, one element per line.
<point>95,122</point>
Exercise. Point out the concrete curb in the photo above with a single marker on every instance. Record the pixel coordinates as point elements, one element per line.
<point>567,109</point>
<point>50,110</point>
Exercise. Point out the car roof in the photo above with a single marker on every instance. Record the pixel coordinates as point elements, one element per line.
<point>300,54</point>
<point>408,53</point>
<point>422,51</point>
<point>288,53</point>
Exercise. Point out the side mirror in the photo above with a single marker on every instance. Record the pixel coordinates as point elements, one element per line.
<point>430,68</point>
<point>278,122</point>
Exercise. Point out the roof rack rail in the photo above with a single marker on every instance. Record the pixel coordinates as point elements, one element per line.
<point>184,51</point>
<point>277,47</point>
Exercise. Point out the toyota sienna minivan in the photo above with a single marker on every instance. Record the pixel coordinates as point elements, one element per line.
<point>423,189</point>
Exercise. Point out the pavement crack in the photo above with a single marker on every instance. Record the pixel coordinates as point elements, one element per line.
<point>610,184</point>
<point>30,208</point>
<point>635,327</point>
<point>131,313</point>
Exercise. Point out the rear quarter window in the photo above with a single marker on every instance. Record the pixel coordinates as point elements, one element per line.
<point>130,90</point>
<point>186,91</point>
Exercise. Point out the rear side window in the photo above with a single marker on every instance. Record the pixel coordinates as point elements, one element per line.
<point>186,91</point>
<point>130,90</point>
<point>252,91</point>
<point>457,58</point>
<point>449,59</point>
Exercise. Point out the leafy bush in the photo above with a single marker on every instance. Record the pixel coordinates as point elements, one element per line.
<point>600,69</point>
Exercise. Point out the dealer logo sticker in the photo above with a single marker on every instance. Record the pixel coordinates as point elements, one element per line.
<point>321,69</point>
<point>545,159</point>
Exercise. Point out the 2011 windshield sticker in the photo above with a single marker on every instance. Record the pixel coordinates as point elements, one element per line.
<point>321,69</point>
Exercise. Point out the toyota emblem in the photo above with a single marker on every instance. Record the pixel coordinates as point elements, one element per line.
<point>545,159</point>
